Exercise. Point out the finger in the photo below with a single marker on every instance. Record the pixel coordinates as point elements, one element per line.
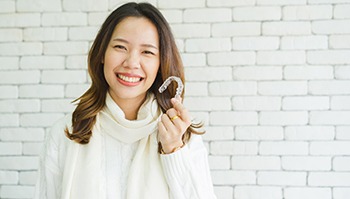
<point>169,126</point>
<point>182,111</point>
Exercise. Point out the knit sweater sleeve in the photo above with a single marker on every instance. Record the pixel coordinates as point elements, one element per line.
<point>187,171</point>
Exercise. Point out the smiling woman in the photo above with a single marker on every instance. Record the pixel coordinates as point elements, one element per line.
<point>125,139</point>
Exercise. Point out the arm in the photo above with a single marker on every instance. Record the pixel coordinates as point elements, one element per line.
<point>187,171</point>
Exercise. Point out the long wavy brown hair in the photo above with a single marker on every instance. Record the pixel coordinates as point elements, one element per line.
<point>93,100</point>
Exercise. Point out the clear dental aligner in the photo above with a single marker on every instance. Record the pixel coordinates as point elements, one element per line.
<point>167,82</point>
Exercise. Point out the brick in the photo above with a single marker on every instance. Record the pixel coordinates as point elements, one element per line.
<point>229,177</point>
<point>255,192</point>
<point>27,177</point>
<point>283,118</point>
<point>83,33</point>
<point>180,4</point>
<point>28,48</point>
<point>223,192</point>
<point>328,57</point>
<point>85,6</point>
<point>341,163</point>
<point>207,15</point>
<point>236,29</point>
<point>255,43</point>
<point>233,118</point>
<point>231,58</point>
<point>8,92</point>
<point>339,41</point>
<point>64,19</point>
<point>21,163</point>
<point>283,148</point>
<point>218,133</point>
<point>340,103</point>
<point>309,12</point>
<point>286,28</point>
<point>308,72</point>
<point>341,193</point>
<point>199,117</point>
<point>8,177</point>
<point>306,163</point>
<point>194,59</point>
<point>281,2</point>
<point>331,179</point>
<point>282,178</point>
<point>330,117</point>
<point>39,119</point>
<point>327,1</point>
<point>208,45</point>
<point>10,34</point>
<point>17,191</point>
<point>41,91</point>
<point>342,11</point>
<point>256,13</point>
<point>96,18</point>
<point>256,163</point>
<point>219,162</point>
<point>281,57</point>
<point>10,148</point>
<point>334,87</point>
<point>309,133</point>
<point>191,30</point>
<point>20,20</point>
<point>233,88</point>
<point>259,133</point>
<point>208,103</point>
<point>20,77</point>
<point>7,6</point>
<point>229,3</point>
<point>284,88</point>
<point>307,192</point>
<point>63,76</point>
<point>207,74</point>
<point>22,134</point>
<point>45,34</point>
<point>196,89</point>
<point>173,16</point>
<point>9,63</point>
<point>305,103</point>
<point>32,148</point>
<point>75,90</point>
<point>20,106</point>
<point>180,43</point>
<point>77,62</point>
<point>42,62</point>
<point>57,105</point>
<point>331,27</point>
<point>304,42</point>
<point>330,148</point>
<point>65,48</point>
<point>343,132</point>
<point>257,73</point>
<point>39,5</point>
<point>9,120</point>
<point>233,148</point>
<point>258,103</point>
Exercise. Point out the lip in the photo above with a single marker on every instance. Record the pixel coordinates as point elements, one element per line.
<point>125,83</point>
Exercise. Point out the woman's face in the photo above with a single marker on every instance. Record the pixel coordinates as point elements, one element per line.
<point>132,59</point>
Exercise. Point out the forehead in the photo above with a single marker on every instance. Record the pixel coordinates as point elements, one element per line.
<point>136,29</point>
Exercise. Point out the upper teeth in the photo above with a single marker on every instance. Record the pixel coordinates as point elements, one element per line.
<point>129,79</point>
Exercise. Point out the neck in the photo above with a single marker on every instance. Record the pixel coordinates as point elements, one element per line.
<point>130,107</point>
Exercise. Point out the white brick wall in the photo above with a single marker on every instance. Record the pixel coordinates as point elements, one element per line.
<point>270,78</point>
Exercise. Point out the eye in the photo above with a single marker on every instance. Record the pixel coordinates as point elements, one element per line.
<point>148,52</point>
<point>119,47</point>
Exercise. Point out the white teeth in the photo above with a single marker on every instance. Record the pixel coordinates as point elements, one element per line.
<point>129,79</point>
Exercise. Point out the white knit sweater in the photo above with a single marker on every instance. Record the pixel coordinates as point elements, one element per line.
<point>186,171</point>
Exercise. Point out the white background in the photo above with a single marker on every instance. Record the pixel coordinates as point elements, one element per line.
<point>270,78</point>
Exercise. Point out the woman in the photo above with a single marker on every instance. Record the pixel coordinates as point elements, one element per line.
<point>125,139</point>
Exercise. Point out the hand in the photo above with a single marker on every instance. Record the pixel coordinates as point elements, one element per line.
<point>173,125</point>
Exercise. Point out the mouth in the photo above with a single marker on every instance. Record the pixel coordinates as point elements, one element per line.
<point>129,79</point>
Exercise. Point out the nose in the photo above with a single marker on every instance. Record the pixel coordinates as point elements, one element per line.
<point>132,61</point>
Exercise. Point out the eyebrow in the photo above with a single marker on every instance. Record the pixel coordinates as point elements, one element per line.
<point>125,41</point>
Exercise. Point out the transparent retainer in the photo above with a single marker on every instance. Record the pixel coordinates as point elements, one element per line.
<point>167,82</point>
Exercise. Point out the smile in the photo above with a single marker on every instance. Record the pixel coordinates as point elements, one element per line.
<point>129,79</point>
